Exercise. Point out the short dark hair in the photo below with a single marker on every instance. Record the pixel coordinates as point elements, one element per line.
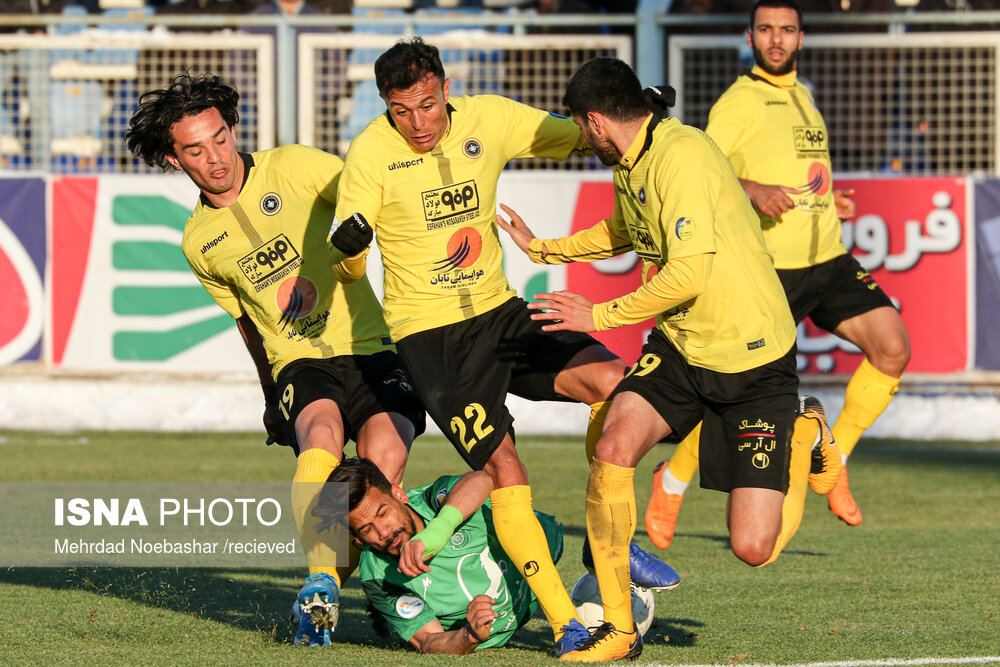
<point>608,86</point>
<point>407,63</point>
<point>775,4</point>
<point>360,475</point>
<point>148,135</point>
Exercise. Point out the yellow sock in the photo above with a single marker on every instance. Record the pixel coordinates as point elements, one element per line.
<point>522,537</point>
<point>868,395</point>
<point>311,472</point>
<point>685,459</point>
<point>598,413</point>
<point>794,505</point>
<point>610,526</point>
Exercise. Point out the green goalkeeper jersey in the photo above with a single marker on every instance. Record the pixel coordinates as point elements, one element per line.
<point>471,564</point>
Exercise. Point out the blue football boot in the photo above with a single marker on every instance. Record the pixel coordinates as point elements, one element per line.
<point>317,609</point>
<point>646,570</point>
<point>574,636</point>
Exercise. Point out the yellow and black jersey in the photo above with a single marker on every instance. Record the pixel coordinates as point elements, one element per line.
<point>770,129</point>
<point>678,203</point>
<point>267,256</point>
<point>434,213</point>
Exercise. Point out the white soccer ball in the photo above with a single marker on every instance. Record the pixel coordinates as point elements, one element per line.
<point>586,597</point>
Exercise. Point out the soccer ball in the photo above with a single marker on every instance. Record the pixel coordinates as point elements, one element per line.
<point>586,598</point>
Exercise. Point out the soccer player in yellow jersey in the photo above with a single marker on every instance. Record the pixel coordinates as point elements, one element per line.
<point>257,241</point>
<point>723,350</point>
<point>768,126</point>
<point>424,176</point>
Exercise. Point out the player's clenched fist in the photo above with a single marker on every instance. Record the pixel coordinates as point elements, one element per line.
<point>480,615</point>
<point>353,235</point>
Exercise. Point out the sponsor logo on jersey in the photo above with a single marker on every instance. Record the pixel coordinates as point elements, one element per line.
<point>642,195</point>
<point>458,540</point>
<point>472,148</point>
<point>809,139</point>
<point>451,204</point>
<point>684,228</point>
<point>296,297</point>
<point>776,103</point>
<point>409,606</point>
<point>270,262</point>
<point>819,180</point>
<point>643,241</point>
<point>757,437</point>
<point>270,203</point>
<point>405,164</point>
<point>464,248</point>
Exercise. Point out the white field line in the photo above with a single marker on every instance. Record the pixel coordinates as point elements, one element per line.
<point>887,662</point>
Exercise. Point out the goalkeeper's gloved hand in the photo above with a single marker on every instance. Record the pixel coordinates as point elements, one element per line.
<point>353,235</point>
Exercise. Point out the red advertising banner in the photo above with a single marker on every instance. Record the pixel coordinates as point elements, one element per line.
<point>911,234</point>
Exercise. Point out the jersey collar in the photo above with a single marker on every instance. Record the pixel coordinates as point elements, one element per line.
<point>643,139</point>
<point>247,165</point>
<point>783,81</point>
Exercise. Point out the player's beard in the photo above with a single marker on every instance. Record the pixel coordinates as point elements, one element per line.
<point>606,151</point>
<point>784,68</point>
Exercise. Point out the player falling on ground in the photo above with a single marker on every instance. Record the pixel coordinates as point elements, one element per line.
<point>258,242</point>
<point>768,126</point>
<point>723,350</point>
<point>424,175</point>
<point>432,566</point>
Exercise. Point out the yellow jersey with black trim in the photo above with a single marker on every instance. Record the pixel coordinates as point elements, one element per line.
<point>434,213</point>
<point>676,196</point>
<point>770,129</point>
<point>267,256</point>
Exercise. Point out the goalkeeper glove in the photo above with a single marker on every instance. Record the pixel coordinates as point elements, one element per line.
<point>352,236</point>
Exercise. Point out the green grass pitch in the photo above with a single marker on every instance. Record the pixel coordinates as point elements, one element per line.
<point>919,579</point>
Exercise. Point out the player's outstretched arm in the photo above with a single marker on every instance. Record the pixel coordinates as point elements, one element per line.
<point>432,638</point>
<point>255,345</point>
<point>565,310</point>
<point>771,200</point>
<point>587,245</point>
<point>466,496</point>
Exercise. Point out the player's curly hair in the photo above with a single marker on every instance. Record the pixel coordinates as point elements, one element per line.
<point>360,475</point>
<point>407,63</point>
<point>608,86</point>
<point>148,136</point>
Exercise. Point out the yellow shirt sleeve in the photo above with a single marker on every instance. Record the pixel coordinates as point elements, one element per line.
<point>679,281</point>
<point>349,269</point>
<point>587,245</point>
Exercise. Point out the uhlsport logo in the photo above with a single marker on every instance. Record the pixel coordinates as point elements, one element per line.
<point>464,248</point>
<point>684,229</point>
<point>472,148</point>
<point>761,460</point>
<point>409,606</point>
<point>270,203</point>
<point>530,568</point>
<point>296,298</point>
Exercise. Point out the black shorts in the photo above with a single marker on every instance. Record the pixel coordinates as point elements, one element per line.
<point>361,385</point>
<point>748,416</point>
<point>464,371</point>
<point>831,292</point>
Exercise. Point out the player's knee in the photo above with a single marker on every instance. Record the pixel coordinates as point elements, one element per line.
<point>505,468</point>
<point>892,354</point>
<point>752,550</point>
